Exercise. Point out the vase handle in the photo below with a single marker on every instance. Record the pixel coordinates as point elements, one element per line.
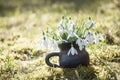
<point>47,59</point>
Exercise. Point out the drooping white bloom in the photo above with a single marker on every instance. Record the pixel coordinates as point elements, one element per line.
<point>80,43</point>
<point>85,41</point>
<point>62,23</point>
<point>72,51</point>
<point>54,45</point>
<point>90,23</point>
<point>101,37</point>
<point>96,38</point>
<point>90,38</point>
<point>72,34</point>
<point>43,44</point>
<point>71,25</point>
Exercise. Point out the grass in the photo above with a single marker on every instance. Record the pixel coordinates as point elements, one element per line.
<point>21,25</point>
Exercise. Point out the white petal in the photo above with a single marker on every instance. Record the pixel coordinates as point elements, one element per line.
<point>55,46</point>
<point>101,37</point>
<point>69,52</point>
<point>72,51</point>
<point>85,41</point>
<point>79,42</point>
<point>89,23</point>
<point>71,25</point>
<point>80,47</point>
<point>61,31</point>
<point>76,35</point>
<point>45,44</point>
<point>96,39</point>
<point>90,38</point>
<point>75,51</point>
<point>68,37</point>
<point>92,23</point>
<point>39,45</point>
<point>70,34</point>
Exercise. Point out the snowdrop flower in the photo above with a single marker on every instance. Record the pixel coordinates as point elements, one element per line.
<point>72,51</point>
<point>72,34</point>
<point>96,38</point>
<point>54,45</point>
<point>85,41</point>
<point>67,32</point>
<point>89,38</point>
<point>62,23</point>
<point>71,25</point>
<point>42,44</point>
<point>80,43</point>
<point>101,37</point>
<point>90,23</point>
<point>45,43</point>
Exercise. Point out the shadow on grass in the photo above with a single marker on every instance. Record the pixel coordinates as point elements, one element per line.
<point>77,5</point>
<point>80,73</point>
<point>11,6</point>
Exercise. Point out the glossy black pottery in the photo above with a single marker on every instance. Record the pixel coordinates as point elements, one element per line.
<point>68,61</point>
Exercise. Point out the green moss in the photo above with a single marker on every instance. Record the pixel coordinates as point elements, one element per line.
<point>22,23</point>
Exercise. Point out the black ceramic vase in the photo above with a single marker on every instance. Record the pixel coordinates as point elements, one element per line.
<point>68,61</point>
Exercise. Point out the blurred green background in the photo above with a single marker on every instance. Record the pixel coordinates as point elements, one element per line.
<point>21,25</point>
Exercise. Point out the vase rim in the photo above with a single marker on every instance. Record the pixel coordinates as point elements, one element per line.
<point>66,43</point>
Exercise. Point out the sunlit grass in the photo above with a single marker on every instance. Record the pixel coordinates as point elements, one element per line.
<point>21,25</point>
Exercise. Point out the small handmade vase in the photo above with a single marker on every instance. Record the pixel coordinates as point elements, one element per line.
<point>68,61</point>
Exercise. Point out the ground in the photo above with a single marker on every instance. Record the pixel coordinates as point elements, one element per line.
<point>21,26</point>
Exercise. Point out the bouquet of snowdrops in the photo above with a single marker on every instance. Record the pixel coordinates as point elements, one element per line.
<point>69,31</point>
